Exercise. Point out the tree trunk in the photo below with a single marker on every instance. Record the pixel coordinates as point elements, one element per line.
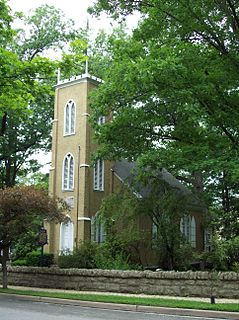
<point>5,251</point>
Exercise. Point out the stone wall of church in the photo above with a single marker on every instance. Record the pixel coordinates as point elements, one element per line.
<point>201,284</point>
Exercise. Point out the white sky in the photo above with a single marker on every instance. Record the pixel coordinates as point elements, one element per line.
<point>73,9</point>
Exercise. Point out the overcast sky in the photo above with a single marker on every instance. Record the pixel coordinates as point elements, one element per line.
<point>74,9</point>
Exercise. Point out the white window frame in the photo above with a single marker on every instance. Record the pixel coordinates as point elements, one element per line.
<point>69,118</point>
<point>66,246</point>
<point>99,175</point>
<point>188,229</point>
<point>68,173</point>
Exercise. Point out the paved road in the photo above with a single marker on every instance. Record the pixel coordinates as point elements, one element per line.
<point>12,308</point>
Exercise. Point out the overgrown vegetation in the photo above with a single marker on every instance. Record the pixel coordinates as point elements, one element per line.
<point>91,255</point>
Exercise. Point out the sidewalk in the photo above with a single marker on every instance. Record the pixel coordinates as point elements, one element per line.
<point>135,308</point>
<point>218,300</point>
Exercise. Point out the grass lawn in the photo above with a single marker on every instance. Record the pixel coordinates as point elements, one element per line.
<point>172,303</point>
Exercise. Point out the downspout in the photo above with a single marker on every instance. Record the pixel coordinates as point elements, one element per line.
<point>77,196</point>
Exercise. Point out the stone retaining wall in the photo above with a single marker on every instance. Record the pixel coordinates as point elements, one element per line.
<point>201,284</point>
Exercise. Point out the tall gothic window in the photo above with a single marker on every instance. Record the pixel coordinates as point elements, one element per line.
<point>69,118</point>
<point>99,175</point>
<point>188,229</point>
<point>68,173</point>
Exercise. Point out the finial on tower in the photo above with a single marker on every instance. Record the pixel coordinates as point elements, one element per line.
<point>86,62</point>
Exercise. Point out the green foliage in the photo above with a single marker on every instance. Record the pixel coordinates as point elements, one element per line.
<point>90,255</point>
<point>113,256</point>
<point>26,243</point>
<point>224,254</point>
<point>82,257</point>
<point>26,94</point>
<point>34,259</point>
<point>19,262</point>
<point>173,90</point>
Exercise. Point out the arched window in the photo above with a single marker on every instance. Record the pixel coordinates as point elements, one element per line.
<point>188,229</point>
<point>99,175</point>
<point>98,233</point>
<point>69,118</point>
<point>66,237</point>
<point>68,173</point>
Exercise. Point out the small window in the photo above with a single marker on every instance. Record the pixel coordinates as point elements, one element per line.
<point>98,233</point>
<point>69,118</point>
<point>188,229</point>
<point>99,175</point>
<point>68,173</point>
<point>101,120</point>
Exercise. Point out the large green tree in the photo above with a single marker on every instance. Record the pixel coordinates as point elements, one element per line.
<point>27,78</point>
<point>173,92</point>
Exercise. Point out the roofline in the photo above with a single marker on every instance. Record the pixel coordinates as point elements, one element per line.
<point>78,79</point>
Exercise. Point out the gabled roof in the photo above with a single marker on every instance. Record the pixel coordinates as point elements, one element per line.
<point>126,171</point>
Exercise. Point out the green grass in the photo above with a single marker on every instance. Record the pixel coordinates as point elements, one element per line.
<point>152,301</point>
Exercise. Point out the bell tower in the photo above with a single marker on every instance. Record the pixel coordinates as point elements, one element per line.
<point>72,178</point>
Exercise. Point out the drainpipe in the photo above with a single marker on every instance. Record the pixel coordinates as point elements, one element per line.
<point>77,196</point>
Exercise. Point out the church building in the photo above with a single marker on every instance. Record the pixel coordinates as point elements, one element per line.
<point>81,185</point>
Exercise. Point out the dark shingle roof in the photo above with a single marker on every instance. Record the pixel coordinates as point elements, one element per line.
<point>126,172</point>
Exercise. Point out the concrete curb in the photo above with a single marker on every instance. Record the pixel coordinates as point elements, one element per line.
<point>129,307</point>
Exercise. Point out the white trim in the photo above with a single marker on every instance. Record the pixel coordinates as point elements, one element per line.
<point>84,165</point>
<point>117,176</point>
<point>84,219</point>
<point>85,114</point>
<point>63,167</point>
<point>54,120</point>
<point>70,103</point>
<point>78,79</point>
<point>70,243</point>
<point>99,168</point>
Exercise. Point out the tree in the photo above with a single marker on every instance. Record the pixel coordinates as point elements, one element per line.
<point>19,209</point>
<point>149,196</point>
<point>173,92</point>
<point>26,94</point>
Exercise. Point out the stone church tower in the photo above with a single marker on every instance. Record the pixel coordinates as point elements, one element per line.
<point>72,176</point>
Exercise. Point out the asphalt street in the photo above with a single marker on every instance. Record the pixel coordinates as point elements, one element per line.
<point>13,308</point>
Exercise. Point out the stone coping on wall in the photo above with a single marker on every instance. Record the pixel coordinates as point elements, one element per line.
<point>199,283</point>
<point>187,275</point>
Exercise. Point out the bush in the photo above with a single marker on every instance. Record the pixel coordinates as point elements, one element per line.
<point>34,259</point>
<point>90,255</point>
<point>232,253</point>
<point>19,262</point>
<point>111,258</point>
<point>81,257</point>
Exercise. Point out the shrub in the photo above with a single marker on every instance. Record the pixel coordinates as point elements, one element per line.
<point>232,253</point>
<point>19,262</point>
<point>91,255</point>
<point>81,257</point>
<point>111,258</point>
<point>34,259</point>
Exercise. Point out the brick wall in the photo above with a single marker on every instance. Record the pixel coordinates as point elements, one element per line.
<point>201,284</point>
